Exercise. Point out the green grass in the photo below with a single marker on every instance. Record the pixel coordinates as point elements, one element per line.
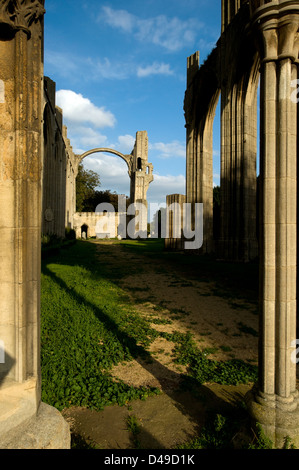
<point>85,331</point>
<point>203,370</point>
<point>134,428</point>
<point>88,325</point>
<point>218,433</point>
<point>247,329</point>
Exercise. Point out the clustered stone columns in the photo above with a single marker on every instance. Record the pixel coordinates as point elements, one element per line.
<point>200,105</point>
<point>239,72</point>
<point>275,402</point>
<point>232,71</point>
<point>24,421</point>
<point>238,241</point>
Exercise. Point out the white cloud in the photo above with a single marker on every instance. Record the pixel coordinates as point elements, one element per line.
<point>77,109</point>
<point>154,69</point>
<point>170,33</point>
<point>113,173</point>
<point>169,150</point>
<point>164,185</point>
<point>61,62</point>
<point>119,18</point>
<point>104,68</point>
<point>86,138</point>
<point>126,143</point>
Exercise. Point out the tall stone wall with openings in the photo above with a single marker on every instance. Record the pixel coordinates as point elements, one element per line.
<point>58,165</point>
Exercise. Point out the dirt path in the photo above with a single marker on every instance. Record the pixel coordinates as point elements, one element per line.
<point>162,290</point>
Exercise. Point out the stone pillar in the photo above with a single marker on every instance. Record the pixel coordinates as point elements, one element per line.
<point>200,105</point>
<point>25,422</point>
<point>274,403</point>
<point>238,241</point>
<point>174,236</point>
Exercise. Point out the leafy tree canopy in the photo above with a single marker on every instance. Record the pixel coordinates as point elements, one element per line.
<point>88,197</point>
<point>86,182</point>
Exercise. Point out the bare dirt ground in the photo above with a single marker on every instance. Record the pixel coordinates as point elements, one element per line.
<point>166,293</point>
<point>162,290</point>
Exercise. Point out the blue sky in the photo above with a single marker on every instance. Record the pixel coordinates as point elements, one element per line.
<point>119,68</point>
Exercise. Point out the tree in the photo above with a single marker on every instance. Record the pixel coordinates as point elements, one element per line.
<point>216,211</point>
<point>99,197</point>
<point>86,182</point>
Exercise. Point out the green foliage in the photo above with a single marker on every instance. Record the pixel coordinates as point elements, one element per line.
<point>261,440</point>
<point>99,197</point>
<point>88,326</point>
<point>288,444</point>
<point>85,332</point>
<point>205,370</point>
<point>216,211</point>
<point>218,433</point>
<point>52,245</point>
<point>70,233</point>
<point>134,428</point>
<point>247,329</point>
<point>86,182</point>
<point>216,196</point>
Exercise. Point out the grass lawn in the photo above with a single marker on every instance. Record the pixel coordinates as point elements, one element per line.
<point>88,325</point>
<point>85,331</point>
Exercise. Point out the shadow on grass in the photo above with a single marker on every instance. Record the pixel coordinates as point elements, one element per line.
<point>85,257</point>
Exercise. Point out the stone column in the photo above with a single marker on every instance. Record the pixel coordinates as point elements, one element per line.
<point>275,401</point>
<point>201,99</point>
<point>174,236</point>
<point>25,422</point>
<point>238,168</point>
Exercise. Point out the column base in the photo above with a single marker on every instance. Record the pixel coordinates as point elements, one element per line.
<point>279,419</point>
<point>47,430</point>
<point>25,423</point>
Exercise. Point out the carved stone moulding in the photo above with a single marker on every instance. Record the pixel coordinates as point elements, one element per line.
<point>19,15</point>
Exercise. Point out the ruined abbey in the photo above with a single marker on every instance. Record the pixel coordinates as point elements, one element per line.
<point>259,44</point>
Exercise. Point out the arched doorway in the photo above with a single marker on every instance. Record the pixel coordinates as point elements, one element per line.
<point>84,231</point>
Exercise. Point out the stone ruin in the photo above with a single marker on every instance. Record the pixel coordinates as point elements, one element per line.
<point>259,41</point>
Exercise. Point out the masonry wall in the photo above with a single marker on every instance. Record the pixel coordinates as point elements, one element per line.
<point>100,225</point>
<point>58,165</point>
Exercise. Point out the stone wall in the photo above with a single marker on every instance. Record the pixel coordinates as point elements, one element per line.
<point>100,225</point>
<point>230,72</point>
<point>58,165</point>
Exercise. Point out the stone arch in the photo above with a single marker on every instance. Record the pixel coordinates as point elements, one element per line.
<point>201,99</point>
<point>126,158</point>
